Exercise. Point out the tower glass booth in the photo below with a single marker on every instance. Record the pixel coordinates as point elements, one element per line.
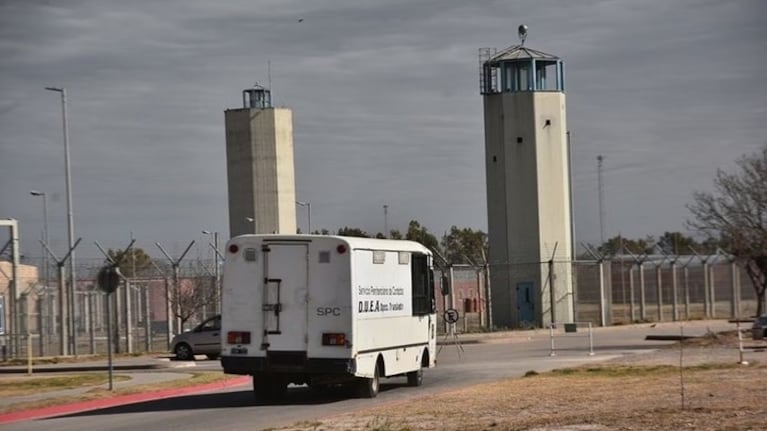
<point>257,97</point>
<point>521,69</point>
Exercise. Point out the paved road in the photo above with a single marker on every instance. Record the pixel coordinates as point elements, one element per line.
<point>235,408</point>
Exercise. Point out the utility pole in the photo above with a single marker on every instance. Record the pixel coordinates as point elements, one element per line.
<point>600,161</point>
<point>70,218</point>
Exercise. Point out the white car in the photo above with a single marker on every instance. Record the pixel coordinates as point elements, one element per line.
<point>204,339</point>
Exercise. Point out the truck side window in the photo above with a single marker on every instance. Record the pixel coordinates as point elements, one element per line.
<point>423,292</point>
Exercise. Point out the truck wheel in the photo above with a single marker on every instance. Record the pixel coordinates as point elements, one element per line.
<point>184,352</point>
<point>368,388</point>
<point>269,387</point>
<point>415,378</point>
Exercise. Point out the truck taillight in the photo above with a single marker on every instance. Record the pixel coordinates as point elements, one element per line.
<point>238,337</point>
<point>334,339</point>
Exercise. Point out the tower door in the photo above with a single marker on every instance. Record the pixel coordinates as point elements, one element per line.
<point>525,304</point>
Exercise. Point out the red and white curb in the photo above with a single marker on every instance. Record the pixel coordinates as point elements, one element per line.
<point>119,400</point>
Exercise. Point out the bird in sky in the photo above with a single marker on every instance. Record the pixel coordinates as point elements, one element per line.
<point>300,20</point>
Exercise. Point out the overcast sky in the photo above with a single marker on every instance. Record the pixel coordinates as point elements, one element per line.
<point>386,108</point>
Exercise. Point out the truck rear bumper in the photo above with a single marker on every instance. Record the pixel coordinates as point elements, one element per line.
<point>277,363</point>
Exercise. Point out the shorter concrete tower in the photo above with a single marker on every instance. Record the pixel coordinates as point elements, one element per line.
<point>259,160</point>
<point>528,185</point>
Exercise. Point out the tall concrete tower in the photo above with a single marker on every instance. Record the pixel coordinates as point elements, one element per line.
<point>259,160</point>
<point>528,185</point>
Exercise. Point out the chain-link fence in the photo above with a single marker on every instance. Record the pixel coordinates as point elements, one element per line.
<point>604,293</point>
<point>52,320</point>
<point>609,292</point>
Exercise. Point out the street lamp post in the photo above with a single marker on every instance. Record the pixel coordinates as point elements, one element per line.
<point>45,255</point>
<point>308,206</point>
<point>70,219</point>
<point>215,269</point>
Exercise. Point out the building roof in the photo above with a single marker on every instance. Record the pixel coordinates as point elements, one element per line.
<point>519,52</point>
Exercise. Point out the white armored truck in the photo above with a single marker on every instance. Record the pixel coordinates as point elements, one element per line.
<point>326,310</point>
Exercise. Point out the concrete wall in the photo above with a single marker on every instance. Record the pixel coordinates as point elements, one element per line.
<point>528,198</point>
<point>28,281</point>
<point>260,170</point>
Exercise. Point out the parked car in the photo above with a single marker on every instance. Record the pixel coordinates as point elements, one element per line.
<point>204,339</point>
<point>759,329</point>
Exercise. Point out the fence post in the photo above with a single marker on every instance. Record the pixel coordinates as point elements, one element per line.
<point>632,304</point>
<point>659,290</point>
<point>602,318</point>
<point>735,302</point>
<point>675,292</point>
<point>712,287</point>
<point>642,303</point>
<point>551,336</point>
<point>591,341</point>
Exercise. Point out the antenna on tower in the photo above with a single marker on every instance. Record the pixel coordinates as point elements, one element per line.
<point>269,74</point>
<point>522,32</point>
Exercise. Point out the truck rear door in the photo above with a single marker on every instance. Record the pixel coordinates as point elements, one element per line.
<point>286,296</point>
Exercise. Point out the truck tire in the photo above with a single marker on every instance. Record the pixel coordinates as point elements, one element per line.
<point>415,378</point>
<point>369,387</point>
<point>268,388</point>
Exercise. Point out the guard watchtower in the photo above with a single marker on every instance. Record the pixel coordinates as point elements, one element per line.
<point>260,170</point>
<point>528,185</point>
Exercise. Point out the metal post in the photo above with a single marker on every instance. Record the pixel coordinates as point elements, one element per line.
<point>70,220</point>
<point>551,337</point>
<point>735,302</point>
<point>62,311</point>
<point>632,304</point>
<point>675,291</point>
<point>175,295</point>
<point>642,303</point>
<point>108,300</point>
<point>591,341</point>
<point>552,294</point>
<point>91,323</point>
<point>127,314</point>
<point>712,290</point>
<point>488,297</point>
<point>602,317</point>
<point>686,292</point>
<point>147,322</point>
<point>659,290</point>
<point>168,313</point>
<point>706,291</point>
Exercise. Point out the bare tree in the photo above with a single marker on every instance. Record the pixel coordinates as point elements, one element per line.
<point>736,214</point>
<point>195,291</point>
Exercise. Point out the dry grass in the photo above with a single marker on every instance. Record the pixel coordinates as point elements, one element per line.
<point>640,392</point>
<point>98,391</point>
<point>27,385</point>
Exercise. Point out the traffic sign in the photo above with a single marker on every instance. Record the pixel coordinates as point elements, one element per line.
<point>451,315</point>
<point>109,278</point>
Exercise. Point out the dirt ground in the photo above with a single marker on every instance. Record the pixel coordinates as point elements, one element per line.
<point>712,391</point>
